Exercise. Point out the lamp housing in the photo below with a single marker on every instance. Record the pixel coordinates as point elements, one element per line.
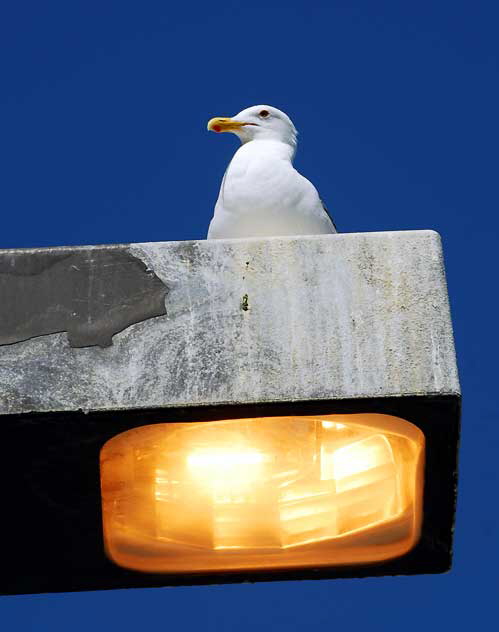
<point>228,410</point>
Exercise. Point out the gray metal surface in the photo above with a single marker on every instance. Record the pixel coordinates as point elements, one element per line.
<point>260,320</point>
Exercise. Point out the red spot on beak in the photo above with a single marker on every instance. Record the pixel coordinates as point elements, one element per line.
<point>216,128</point>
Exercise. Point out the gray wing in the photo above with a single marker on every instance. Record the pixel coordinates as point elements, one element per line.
<point>329,215</point>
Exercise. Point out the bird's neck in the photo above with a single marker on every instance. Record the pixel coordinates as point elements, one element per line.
<point>270,148</point>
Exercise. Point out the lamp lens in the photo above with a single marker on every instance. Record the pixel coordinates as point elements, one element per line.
<point>274,492</point>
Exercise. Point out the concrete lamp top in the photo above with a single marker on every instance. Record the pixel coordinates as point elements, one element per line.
<point>167,324</point>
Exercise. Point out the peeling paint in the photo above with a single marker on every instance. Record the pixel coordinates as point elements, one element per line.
<point>90,293</point>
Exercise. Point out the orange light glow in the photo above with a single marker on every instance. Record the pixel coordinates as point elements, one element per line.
<point>266,493</point>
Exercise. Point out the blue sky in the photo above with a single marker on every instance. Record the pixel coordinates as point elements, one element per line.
<point>103,109</point>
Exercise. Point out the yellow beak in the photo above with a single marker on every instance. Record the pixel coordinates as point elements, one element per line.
<point>219,124</point>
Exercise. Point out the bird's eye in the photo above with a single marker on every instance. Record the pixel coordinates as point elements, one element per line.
<point>264,113</point>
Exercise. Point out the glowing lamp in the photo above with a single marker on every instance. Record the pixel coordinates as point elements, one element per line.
<point>273,492</point>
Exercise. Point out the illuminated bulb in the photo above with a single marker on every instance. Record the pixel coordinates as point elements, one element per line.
<point>223,461</point>
<point>333,424</point>
<point>262,493</point>
<point>230,475</point>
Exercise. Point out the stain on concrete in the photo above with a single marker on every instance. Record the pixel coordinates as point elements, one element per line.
<point>245,303</point>
<point>90,293</point>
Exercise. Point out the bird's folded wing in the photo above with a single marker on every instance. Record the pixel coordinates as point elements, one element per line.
<point>329,215</point>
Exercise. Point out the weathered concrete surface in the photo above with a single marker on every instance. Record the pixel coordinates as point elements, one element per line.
<point>279,319</point>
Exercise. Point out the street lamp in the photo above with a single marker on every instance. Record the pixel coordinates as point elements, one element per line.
<point>272,492</point>
<point>261,409</point>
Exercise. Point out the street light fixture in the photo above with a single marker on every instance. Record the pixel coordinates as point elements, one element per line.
<point>261,409</point>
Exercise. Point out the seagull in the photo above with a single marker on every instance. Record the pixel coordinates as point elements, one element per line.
<point>262,194</point>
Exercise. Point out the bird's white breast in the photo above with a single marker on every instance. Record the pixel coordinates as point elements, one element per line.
<point>262,194</point>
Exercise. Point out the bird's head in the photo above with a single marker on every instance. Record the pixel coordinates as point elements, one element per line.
<point>258,122</point>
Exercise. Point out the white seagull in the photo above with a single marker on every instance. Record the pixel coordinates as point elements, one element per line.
<point>262,194</point>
